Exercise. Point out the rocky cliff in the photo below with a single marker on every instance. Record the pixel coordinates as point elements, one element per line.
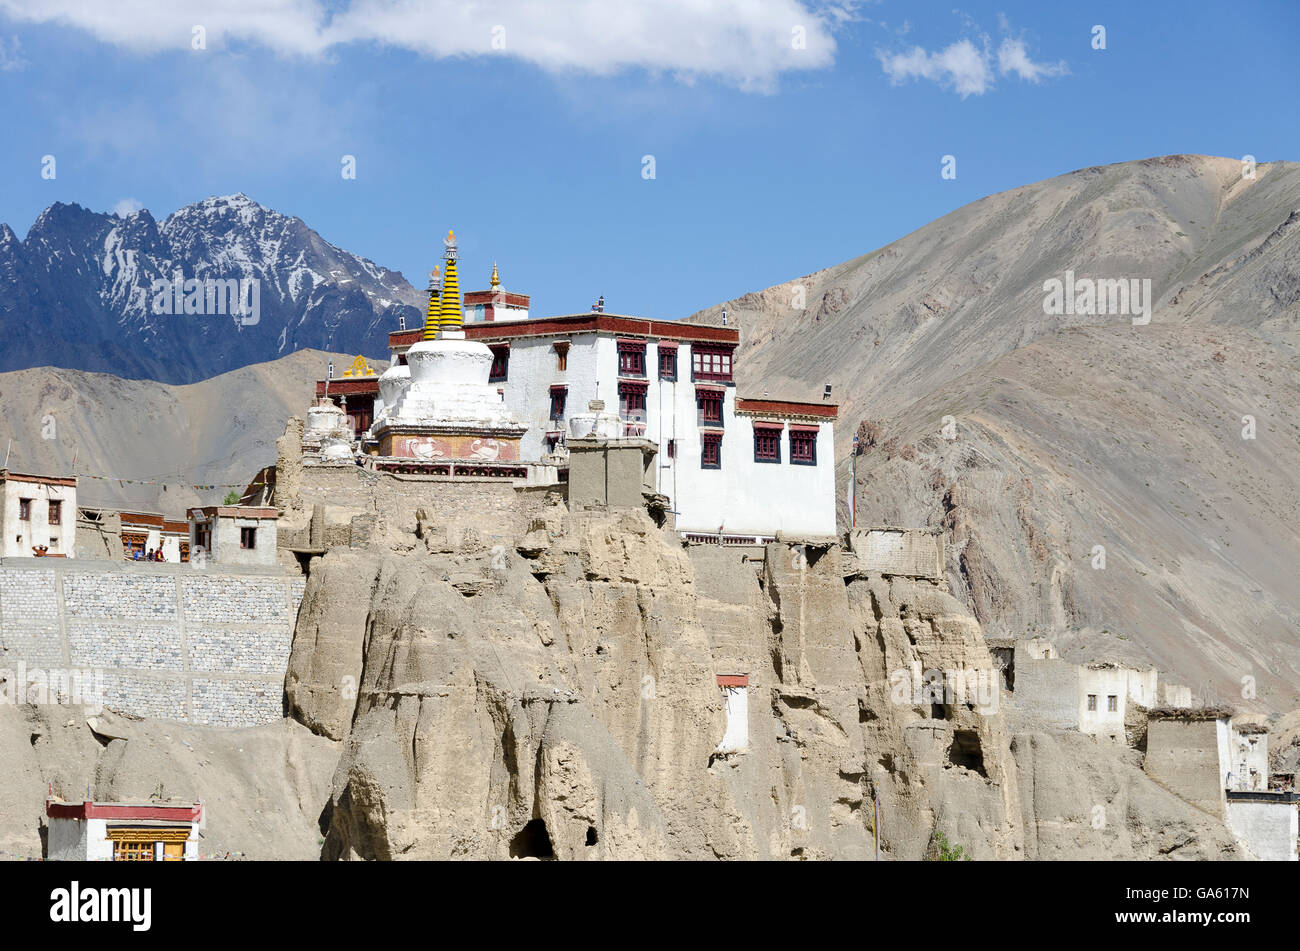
<point>559,699</point>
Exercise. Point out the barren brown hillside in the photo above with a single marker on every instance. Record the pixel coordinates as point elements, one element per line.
<point>1072,432</point>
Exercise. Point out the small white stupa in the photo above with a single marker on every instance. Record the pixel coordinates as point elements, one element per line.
<point>443,407</point>
<point>327,437</point>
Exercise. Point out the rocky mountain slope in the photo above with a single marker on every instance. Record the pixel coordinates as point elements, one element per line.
<point>1038,439</point>
<point>221,430</point>
<point>79,292</point>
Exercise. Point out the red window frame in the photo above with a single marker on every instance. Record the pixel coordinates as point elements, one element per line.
<point>500,371</point>
<point>803,447</point>
<point>631,358</point>
<point>667,362</point>
<point>711,450</point>
<point>711,362</point>
<point>559,394</point>
<point>710,406</point>
<point>767,443</point>
<point>631,401</point>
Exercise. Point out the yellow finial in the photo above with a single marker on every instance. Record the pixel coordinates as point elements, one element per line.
<point>431,316</point>
<point>496,281</point>
<point>450,316</point>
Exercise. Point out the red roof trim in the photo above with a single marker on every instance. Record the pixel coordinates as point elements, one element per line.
<point>667,344</point>
<point>508,299</point>
<point>585,323</point>
<point>44,480</point>
<point>100,810</point>
<point>787,408</point>
<point>350,387</point>
<point>771,424</point>
<point>733,680</point>
<point>796,428</point>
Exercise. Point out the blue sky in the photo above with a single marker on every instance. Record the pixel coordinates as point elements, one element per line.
<point>771,160</point>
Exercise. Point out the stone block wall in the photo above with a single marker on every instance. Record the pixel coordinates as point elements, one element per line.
<point>173,642</point>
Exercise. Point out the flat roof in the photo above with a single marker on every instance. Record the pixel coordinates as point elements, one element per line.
<point>237,511</point>
<point>787,408</point>
<point>568,324</point>
<point>6,475</point>
<point>138,811</point>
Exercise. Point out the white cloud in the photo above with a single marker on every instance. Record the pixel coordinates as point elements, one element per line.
<point>1014,58</point>
<point>967,67</point>
<point>963,66</point>
<point>127,207</point>
<point>746,42</point>
<point>11,55</point>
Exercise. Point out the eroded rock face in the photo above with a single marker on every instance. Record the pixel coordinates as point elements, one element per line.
<point>566,705</point>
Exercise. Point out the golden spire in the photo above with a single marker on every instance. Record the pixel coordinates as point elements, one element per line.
<point>450,316</point>
<point>496,281</point>
<point>431,316</point>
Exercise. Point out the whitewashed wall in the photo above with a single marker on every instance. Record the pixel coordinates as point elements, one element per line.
<point>37,530</point>
<point>743,497</point>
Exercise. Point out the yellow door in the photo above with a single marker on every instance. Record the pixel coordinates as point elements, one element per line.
<point>173,851</point>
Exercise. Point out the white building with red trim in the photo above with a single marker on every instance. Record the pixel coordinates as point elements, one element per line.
<point>123,831</point>
<point>38,515</point>
<point>735,468</point>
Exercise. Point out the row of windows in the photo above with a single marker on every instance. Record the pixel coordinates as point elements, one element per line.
<point>767,447</point>
<point>55,516</point>
<point>708,362</point>
<point>1112,703</point>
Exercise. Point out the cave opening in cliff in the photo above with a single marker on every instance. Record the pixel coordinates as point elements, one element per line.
<point>532,842</point>
<point>592,837</point>
<point>966,751</point>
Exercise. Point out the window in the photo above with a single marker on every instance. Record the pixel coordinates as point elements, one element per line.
<point>803,447</point>
<point>631,401</point>
<point>1112,704</point>
<point>203,536</point>
<point>247,537</point>
<point>54,544</point>
<point>631,358</point>
<point>25,509</point>
<point>561,349</point>
<point>128,850</point>
<point>558,396</point>
<point>667,362</point>
<point>710,406</point>
<point>711,362</point>
<point>735,737</point>
<point>711,451</point>
<point>672,449</point>
<point>553,441</point>
<point>56,512</point>
<point>500,363</point>
<point>1092,702</point>
<point>767,443</point>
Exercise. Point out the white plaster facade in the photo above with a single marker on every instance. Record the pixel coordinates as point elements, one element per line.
<point>219,530</point>
<point>48,518</point>
<point>1248,765</point>
<point>743,496</point>
<point>1103,692</point>
<point>88,838</point>
<point>1268,826</point>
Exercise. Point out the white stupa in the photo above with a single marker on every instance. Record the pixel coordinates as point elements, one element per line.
<point>442,406</point>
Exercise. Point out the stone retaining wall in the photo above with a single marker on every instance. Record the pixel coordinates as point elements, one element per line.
<point>174,642</point>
